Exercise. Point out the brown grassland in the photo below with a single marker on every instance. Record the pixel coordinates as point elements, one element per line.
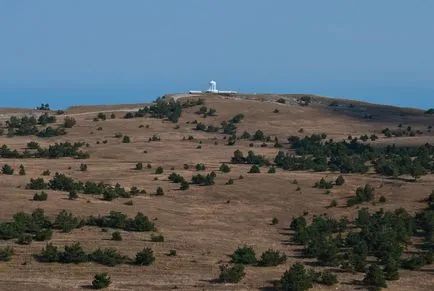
<point>204,224</point>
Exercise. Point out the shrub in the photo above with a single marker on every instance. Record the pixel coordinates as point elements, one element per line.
<point>254,169</point>
<point>112,116</point>
<point>37,184</point>
<point>231,274</point>
<point>272,258</point>
<point>340,180</point>
<point>40,197</point>
<point>126,139</point>
<point>225,168</point>
<point>145,257</point>
<point>6,254</point>
<point>73,254</point>
<point>43,234</point>
<point>326,278</point>
<point>159,170</point>
<point>46,173</point>
<point>274,221</point>
<point>157,238</point>
<point>69,122</point>
<point>129,203</point>
<point>83,167</point>
<point>184,185</point>
<point>116,236</point>
<point>149,166</point>
<point>172,253</point>
<point>272,170</point>
<point>139,166</point>
<point>7,170</point>
<point>334,203</point>
<point>101,281</point>
<point>296,279</point>
<point>382,199</point>
<point>22,171</point>
<point>65,221</point>
<point>49,254</point>
<point>375,277</point>
<point>281,100</point>
<point>24,239</point>
<point>108,257</point>
<point>323,184</point>
<point>230,181</point>
<point>245,255</point>
<point>159,192</point>
<point>200,167</point>
<point>72,195</point>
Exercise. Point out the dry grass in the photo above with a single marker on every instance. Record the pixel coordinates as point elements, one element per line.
<point>199,223</point>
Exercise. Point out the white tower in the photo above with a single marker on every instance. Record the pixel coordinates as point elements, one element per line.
<point>212,87</point>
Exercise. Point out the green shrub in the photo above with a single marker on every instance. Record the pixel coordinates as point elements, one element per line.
<point>69,122</point>
<point>254,169</point>
<point>225,168</point>
<point>230,181</point>
<point>116,236</point>
<point>49,254</point>
<point>46,173</point>
<point>6,253</point>
<point>24,239</point>
<point>139,166</point>
<point>274,221</point>
<point>244,255</point>
<point>108,257</point>
<point>43,234</point>
<point>145,257</point>
<point>340,180</point>
<point>40,197</point>
<point>382,199</point>
<point>73,254</point>
<point>83,167</point>
<point>159,192</point>
<point>157,238</point>
<point>101,281</point>
<point>375,277</point>
<point>200,167</point>
<point>172,253</point>
<point>296,279</point>
<point>7,170</point>
<point>22,171</point>
<point>72,195</point>
<point>334,203</point>
<point>272,170</point>
<point>231,274</point>
<point>126,139</point>
<point>65,221</point>
<point>323,184</point>
<point>272,258</point>
<point>159,171</point>
<point>184,185</point>
<point>37,184</point>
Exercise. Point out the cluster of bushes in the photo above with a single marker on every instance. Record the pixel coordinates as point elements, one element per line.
<point>323,184</point>
<point>204,180</point>
<point>43,107</point>
<point>363,194</point>
<point>58,150</point>
<point>251,158</point>
<point>161,109</point>
<point>400,132</point>
<point>304,100</point>
<point>316,153</point>
<point>74,254</point>
<point>176,178</point>
<point>229,127</point>
<point>210,128</point>
<point>27,125</point>
<point>40,196</point>
<point>61,182</point>
<point>380,235</point>
<point>430,111</point>
<point>205,111</point>
<point>298,278</point>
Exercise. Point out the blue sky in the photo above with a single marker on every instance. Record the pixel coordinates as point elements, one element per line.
<point>103,51</point>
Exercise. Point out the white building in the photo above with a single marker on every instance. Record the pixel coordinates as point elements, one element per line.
<point>212,89</point>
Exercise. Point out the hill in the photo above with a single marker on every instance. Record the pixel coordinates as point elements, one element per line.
<point>206,223</point>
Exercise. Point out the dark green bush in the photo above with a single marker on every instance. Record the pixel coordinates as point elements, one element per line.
<point>157,238</point>
<point>145,257</point>
<point>231,274</point>
<point>6,253</point>
<point>296,278</point>
<point>40,197</point>
<point>116,236</point>
<point>244,255</point>
<point>7,170</point>
<point>272,258</point>
<point>101,281</point>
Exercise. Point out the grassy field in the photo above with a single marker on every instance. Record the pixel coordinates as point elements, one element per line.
<point>204,224</point>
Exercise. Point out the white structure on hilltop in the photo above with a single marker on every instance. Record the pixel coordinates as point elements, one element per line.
<point>212,89</point>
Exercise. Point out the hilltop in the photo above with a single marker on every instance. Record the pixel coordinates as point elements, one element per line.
<point>127,144</point>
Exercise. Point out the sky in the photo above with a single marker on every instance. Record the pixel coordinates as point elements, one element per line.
<point>102,51</point>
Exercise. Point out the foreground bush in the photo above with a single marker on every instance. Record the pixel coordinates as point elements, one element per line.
<point>231,274</point>
<point>245,255</point>
<point>145,257</point>
<point>101,281</point>
<point>296,278</point>
<point>272,258</point>
<point>6,254</point>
